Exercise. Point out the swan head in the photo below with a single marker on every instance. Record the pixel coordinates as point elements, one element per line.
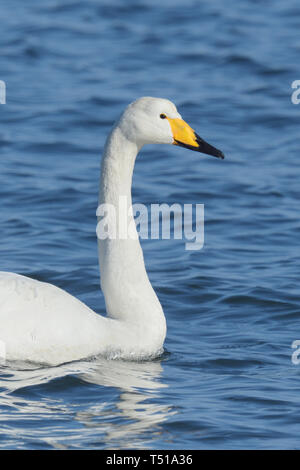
<point>156,121</point>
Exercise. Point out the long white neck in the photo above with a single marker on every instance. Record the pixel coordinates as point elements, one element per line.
<point>128,293</point>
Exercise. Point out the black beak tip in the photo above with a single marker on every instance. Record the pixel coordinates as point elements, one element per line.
<point>206,148</point>
<point>203,147</point>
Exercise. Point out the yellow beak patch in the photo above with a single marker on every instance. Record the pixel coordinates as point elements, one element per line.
<point>182,132</point>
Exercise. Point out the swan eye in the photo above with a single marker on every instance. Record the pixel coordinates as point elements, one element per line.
<point>162,116</point>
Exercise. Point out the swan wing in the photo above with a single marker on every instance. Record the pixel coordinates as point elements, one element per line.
<point>41,322</point>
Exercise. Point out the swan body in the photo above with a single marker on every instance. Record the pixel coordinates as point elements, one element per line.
<point>44,324</point>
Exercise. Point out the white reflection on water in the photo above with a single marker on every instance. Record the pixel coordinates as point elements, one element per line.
<point>128,417</point>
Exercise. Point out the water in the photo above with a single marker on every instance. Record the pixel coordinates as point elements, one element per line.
<point>226,379</point>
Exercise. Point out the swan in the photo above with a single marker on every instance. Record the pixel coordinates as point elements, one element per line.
<point>41,323</point>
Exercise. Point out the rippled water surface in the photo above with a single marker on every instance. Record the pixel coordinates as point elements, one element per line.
<point>226,379</point>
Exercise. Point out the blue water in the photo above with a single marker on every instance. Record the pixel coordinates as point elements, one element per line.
<point>226,379</point>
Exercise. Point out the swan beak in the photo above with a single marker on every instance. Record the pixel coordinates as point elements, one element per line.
<point>186,137</point>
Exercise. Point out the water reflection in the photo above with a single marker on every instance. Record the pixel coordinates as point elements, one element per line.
<point>123,409</point>
<point>137,406</point>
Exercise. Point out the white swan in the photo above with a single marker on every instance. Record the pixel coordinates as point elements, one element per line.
<point>42,323</point>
